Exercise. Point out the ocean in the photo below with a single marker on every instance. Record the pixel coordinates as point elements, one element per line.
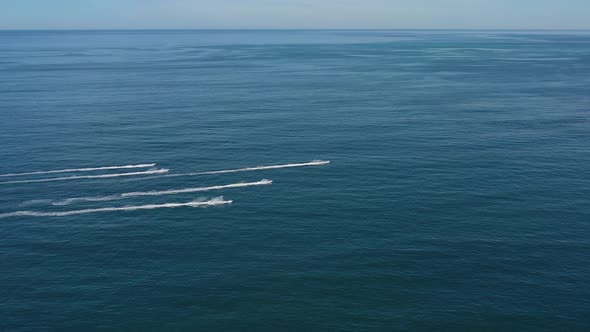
<point>297,180</point>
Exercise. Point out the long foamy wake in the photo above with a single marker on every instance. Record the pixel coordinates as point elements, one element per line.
<point>36,202</point>
<point>152,193</point>
<point>250,169</point>
<point>100,176</point>
<point>213,202</point>
<point>72,170</point>
<point>260,168</point>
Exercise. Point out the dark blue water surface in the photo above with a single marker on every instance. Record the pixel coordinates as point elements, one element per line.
<point>457,197</point>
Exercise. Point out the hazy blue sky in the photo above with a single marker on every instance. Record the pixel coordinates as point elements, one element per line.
<point>121,14</point>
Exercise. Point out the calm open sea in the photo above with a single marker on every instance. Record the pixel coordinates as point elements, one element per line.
<point>457,196</point>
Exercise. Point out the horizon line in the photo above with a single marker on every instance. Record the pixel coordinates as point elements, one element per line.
<point>297,29</point>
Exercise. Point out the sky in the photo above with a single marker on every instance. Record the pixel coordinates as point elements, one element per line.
<point>294,14</point>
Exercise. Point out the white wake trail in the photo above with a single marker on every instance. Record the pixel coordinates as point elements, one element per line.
<point>260,168</point>
<point>36,202</point>
<point>248,169</point>
<point>72,170</point>
<point>212,202</point>
<point>157,193</point>
<point>100,176</point>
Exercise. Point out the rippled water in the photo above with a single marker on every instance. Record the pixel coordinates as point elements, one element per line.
<point>456,197</point>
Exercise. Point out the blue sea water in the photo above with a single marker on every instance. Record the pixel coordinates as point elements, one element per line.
<point>457,197</point>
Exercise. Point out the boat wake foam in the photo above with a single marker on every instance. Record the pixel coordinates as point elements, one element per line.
<point>72,170</point>
<point>247,169</point>
<point>260,168</point>
<point>213,202</point>
<point>153,193</point>
<point>99,176</point>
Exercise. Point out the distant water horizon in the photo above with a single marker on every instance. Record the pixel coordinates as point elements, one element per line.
<point>300,179</point>
<point>294,29</point>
